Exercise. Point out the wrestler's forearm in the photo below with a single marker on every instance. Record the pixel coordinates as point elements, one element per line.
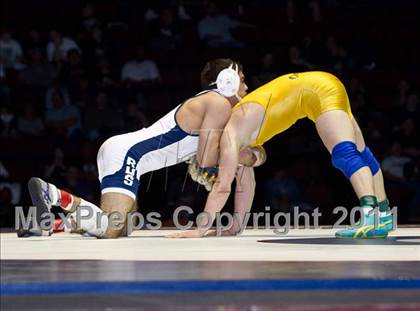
<point>215,201</point>
<point>244,195</point>
<point>208,152</point>
<point>227,168</point>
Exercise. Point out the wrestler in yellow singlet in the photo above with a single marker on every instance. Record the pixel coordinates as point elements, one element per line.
<point>295,96</point>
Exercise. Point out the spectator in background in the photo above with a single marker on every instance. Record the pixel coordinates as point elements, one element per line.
<point>95,45</point>
<point>6,117</point>
<point>291,11</point>
<point>101,120</point>
<point>296,62</point>
<point>59,46</point>
<point>4,173</point>
<point>167,35</point>
<point>56,169</point>
<point>394,163</point>
<point>88,171</point>
<point>34,41</point>
<point>375,136</point>
<point>283,191</point>
<point>314,49</point>
<point>11,54</point>
<point>215,28</point>
<point>325,54</point>
<point>182,12</point>
<point>407,105</point>
<point>29,124</point>
<point>313,6</point>
<point>409,138</point>
<point>134,118</point>
<point>74,182</point>
<point>61,118</point>
<point>140,70</point>
<point>403,177</point>
<point>403,89</point>
<point>335,54</point>
<point>267,71</point>
<point>411,107</point>
<point>88,164</point>
<point>150,14</point>
<point>98,43</point>
<point>4,87</point>
<point>73,69</point>
<point>315,10</point>
<point>105,76</point>
<point>10,192</point>
<point>89,20</point>
<point>38,72</point>
<point>56,89</point>
<point>356,93</point>
<point>6,196</point>
<point>83,91</point>
<point>414,202</point>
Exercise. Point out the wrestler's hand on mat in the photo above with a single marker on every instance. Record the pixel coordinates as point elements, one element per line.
<point>186,234</point>
<point>230,232</point>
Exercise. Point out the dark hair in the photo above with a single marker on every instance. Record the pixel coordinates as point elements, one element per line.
<point>212,69</point>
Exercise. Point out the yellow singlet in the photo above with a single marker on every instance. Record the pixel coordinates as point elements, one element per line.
<point>294,96</point>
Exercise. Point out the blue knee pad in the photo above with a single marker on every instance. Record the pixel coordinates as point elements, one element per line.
<point>370,160</point>
<point>347,158</point>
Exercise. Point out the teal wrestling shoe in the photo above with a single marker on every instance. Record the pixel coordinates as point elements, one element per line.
<point>385,218</point>
<point>367,230</point>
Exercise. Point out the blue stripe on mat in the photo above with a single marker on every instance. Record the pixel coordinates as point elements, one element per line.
<point>152,287</point>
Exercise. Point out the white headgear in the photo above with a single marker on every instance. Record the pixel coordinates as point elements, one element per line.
<point>228,81</point>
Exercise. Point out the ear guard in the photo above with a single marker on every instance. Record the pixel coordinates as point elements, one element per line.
<point>228,81</point>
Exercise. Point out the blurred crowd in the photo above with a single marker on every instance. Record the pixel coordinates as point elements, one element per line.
<point>75,73</point>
